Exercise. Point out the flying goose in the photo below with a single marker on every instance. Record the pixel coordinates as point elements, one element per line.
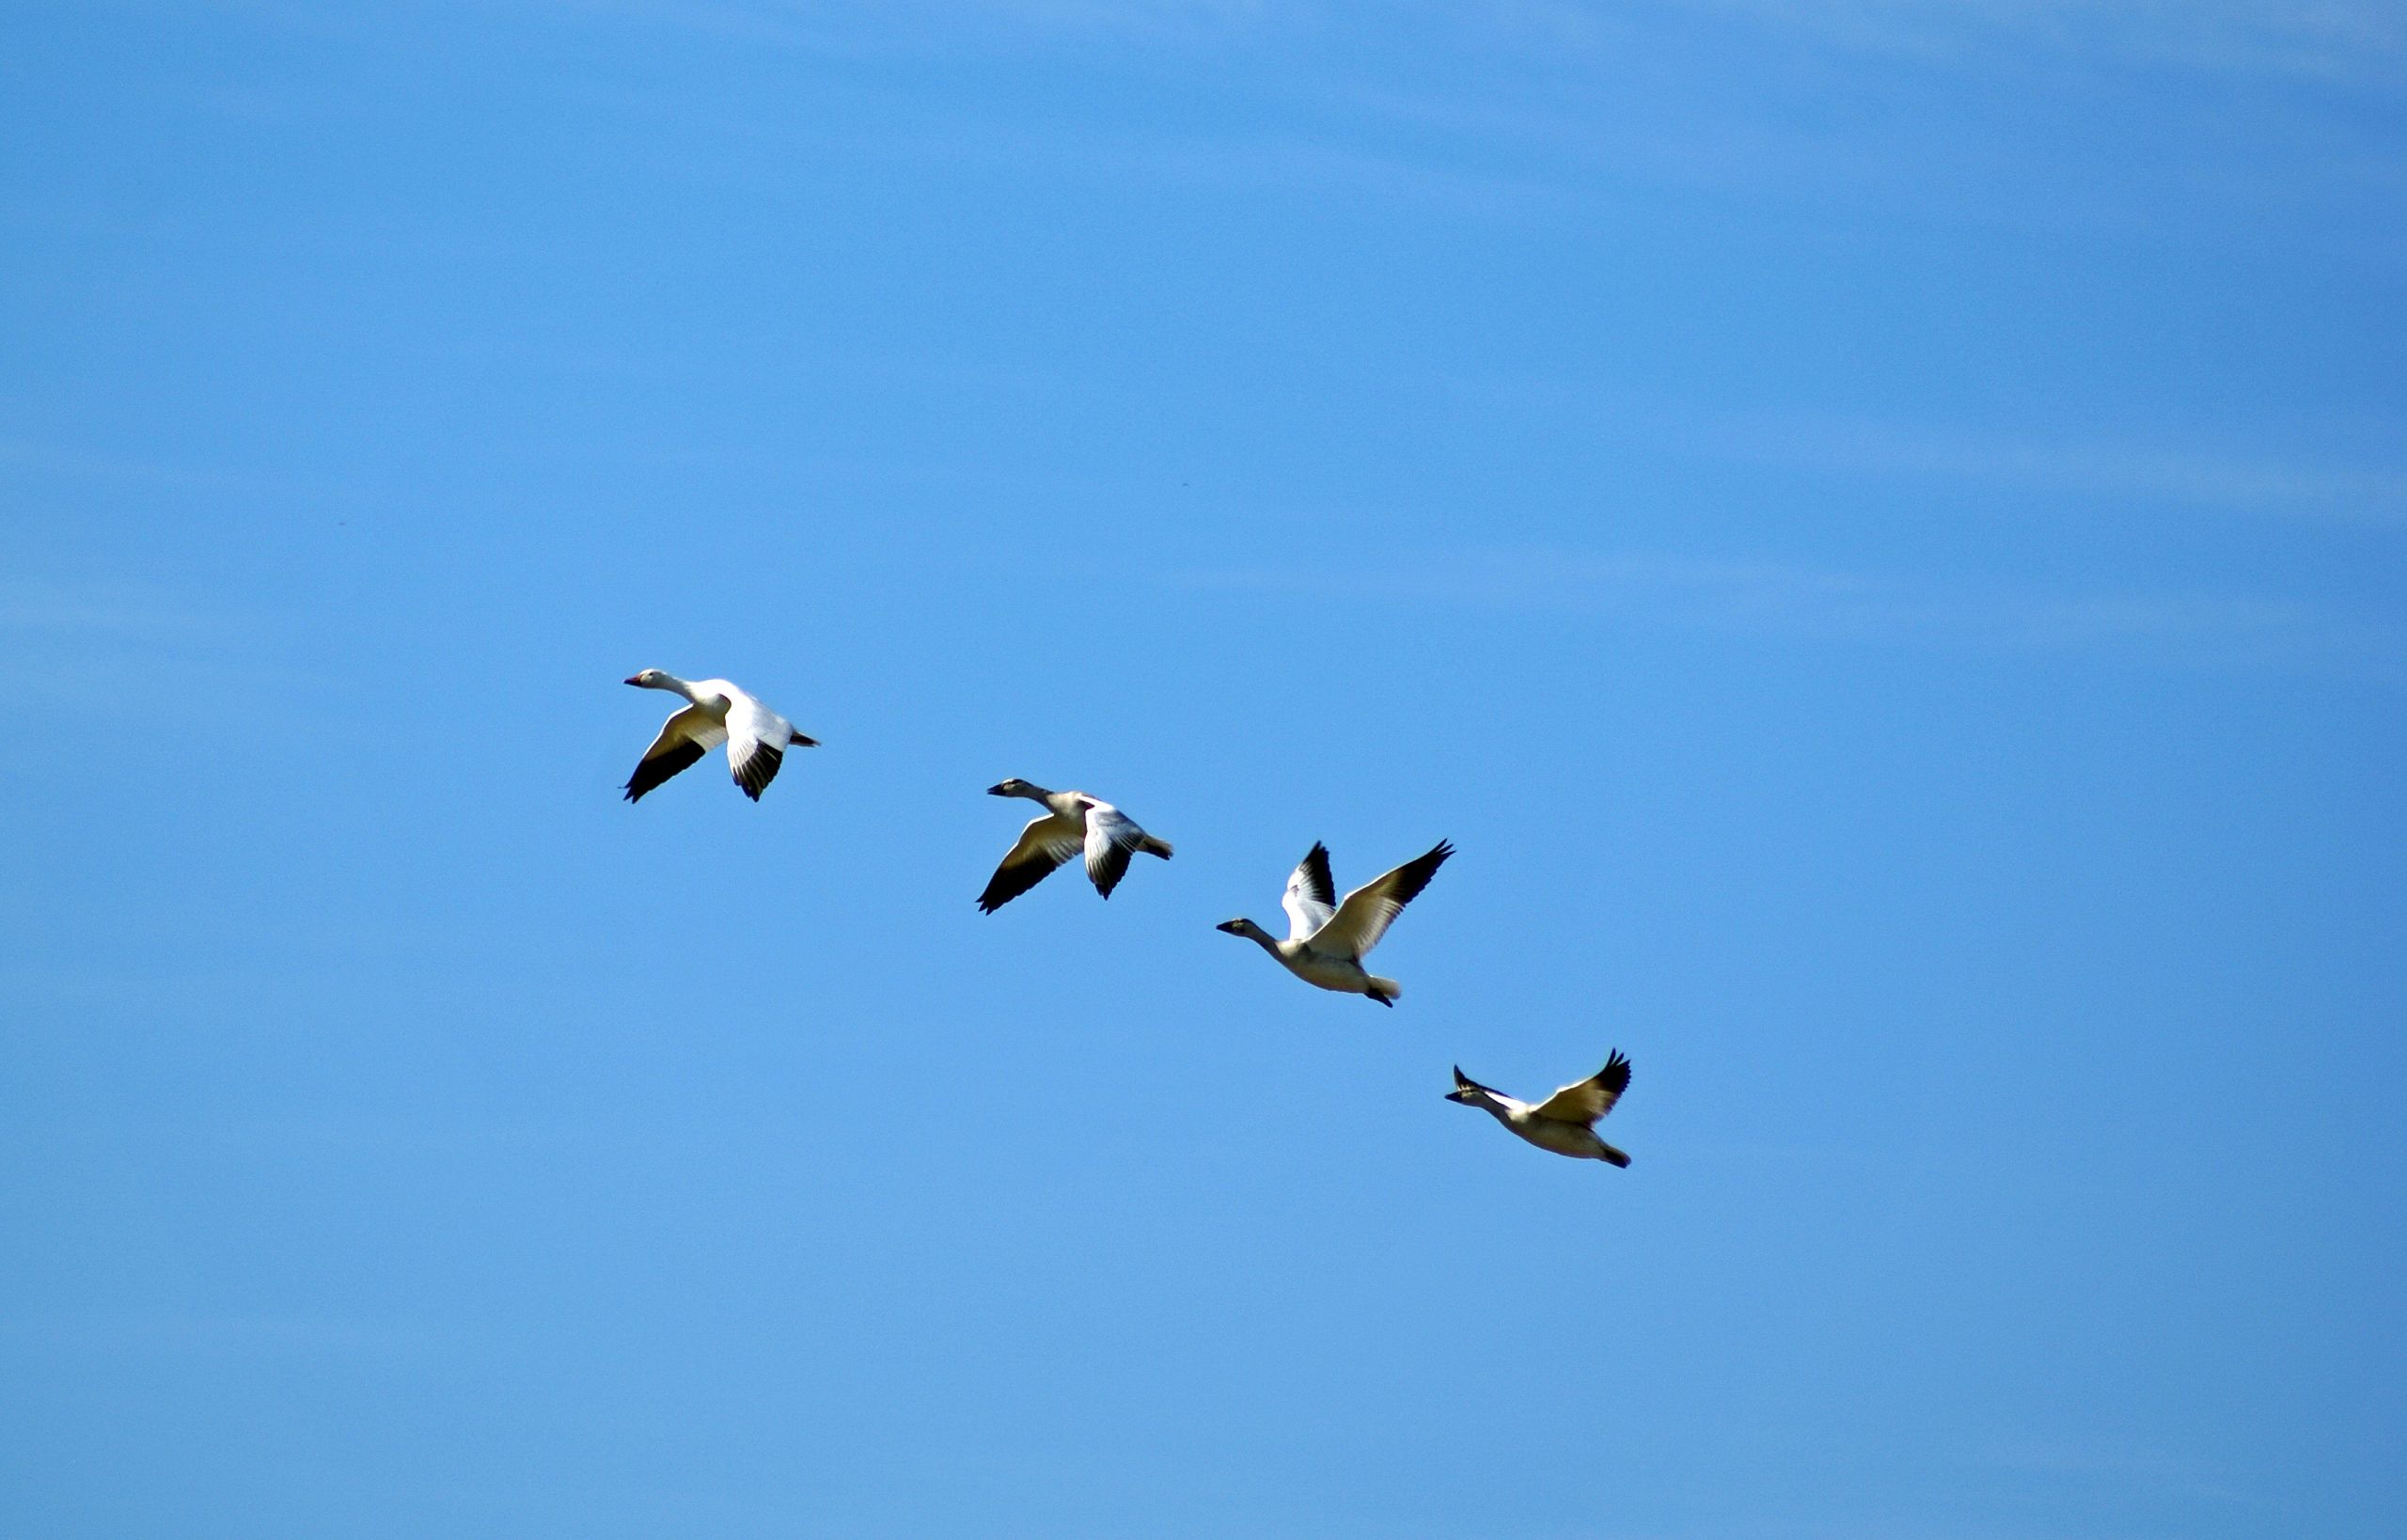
<point>1328,940</point>
<point>1072,822</point>
<point>756,737</point>
<point>1564,1122</point>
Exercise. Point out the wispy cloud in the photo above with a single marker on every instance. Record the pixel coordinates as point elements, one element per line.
<point>2106,1460</point>
<point>2349,40</point>
<point>1458,176</point>
<point>2328,491</point>
<point>2353,40</point>
<point>1794,600</point>
<point>2355,495</point>
<point>148,1330</point>
<point>1521,104</point>
<point>937,26</point>
<point>91,609</point>
<point>129,647</point>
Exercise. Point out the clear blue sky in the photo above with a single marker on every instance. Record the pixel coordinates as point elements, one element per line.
<point>1878,528</point>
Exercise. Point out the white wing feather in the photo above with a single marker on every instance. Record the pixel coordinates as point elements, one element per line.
<point>1112,838</point>
<point>756,741</point>
<point>1307,900</point>
<point>751,725</point>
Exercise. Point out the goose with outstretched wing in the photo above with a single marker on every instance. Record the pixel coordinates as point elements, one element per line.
<point>716,714</point>
<point>1328,940</point>
<point>1564,1122</point>
<point>1074,823</point>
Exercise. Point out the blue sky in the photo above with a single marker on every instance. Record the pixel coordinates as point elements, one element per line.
<point>1877,530</point>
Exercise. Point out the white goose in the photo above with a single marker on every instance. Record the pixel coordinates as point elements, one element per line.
<point>720,712</point>
<point>1327,940</point>
<point>1074,821</point>
<point>1564,1122</point>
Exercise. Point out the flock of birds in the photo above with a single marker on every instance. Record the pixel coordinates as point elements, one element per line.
<point>1327,938</point>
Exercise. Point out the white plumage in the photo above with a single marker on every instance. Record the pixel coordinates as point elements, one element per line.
<point>1564,1122</point>
<point>718,713</point>
<point>1328,940</point>
<point>1074,823</point>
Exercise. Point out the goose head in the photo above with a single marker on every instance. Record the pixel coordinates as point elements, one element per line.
<point>650,679</point>
<point>1244,927</point>
<point>1013,787</point>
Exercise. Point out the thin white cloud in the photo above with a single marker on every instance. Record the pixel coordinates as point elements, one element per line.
<point>937,26</point>
<point>2360,42</point>
<point>91,609</point>
<point>130,648</point>
<point>1484,105</point>
<point>1805,601</point>
<point>2185,475</point>
<point>2127,473</point>
<point>148,1330</point>
<point>2107,1460</point>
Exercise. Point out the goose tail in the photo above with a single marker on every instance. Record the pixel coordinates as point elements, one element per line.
<point>1156,847</point>
<point>1383,990</point>
<point>1606,1151</point>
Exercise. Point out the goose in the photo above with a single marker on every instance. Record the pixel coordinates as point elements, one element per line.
<point>1072,822</point>
<point>1564,1122</point>
<point>1328,940</point>
<point>756,737</point>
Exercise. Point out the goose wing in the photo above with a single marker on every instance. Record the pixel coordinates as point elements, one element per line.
<point>1312,894</point>
<point>1046,844</point>
<point>1112,838</point>
<point>684,738</point>
<point>756,742</point>
<point>1370,910</point>
<point>1585,1101</point>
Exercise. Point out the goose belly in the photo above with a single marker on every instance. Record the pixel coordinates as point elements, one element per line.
<point>1564,1138</point>
<point>1314,967</point>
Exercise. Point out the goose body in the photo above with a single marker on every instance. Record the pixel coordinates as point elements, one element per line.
<point>1328,940</point>
<point>1564,1122</point>
<point>716,712</point>
<point>1074,823</point>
